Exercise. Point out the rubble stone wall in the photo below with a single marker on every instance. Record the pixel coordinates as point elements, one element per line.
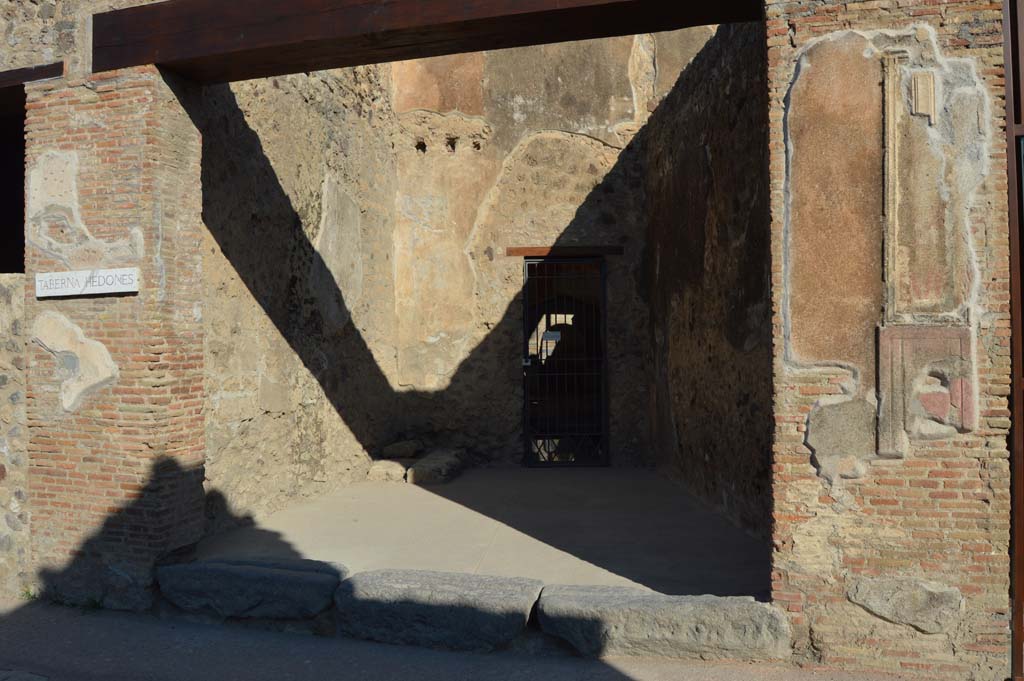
<point>707,269</point>
<point>14,531</point>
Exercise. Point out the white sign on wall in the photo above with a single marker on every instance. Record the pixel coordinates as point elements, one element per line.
<point>87,282</point>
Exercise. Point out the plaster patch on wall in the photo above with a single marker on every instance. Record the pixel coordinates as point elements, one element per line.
<point>339,243</point>
<point>841,437</point>
<point>909,153</point>
<point>643,78</point>
<point>444,84</point>
<point>446,166</point>
<point>928,385</point>
<point>833,242</point>
<point>581,87</point>
<point>54,218</point>
<point>83,365</point>
<point>935,162</point>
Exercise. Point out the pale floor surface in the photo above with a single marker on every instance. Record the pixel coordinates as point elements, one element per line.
<point>52,643</point>
<point>582,526</point>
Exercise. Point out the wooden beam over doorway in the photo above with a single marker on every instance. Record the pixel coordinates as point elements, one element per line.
<point>12,86</point>
<point>213,41</point>
<point>562,251</point>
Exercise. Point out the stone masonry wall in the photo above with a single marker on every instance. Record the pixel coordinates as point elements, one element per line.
<point>14,532</point>
<point>299,182</point>
<point>34,32</point>
<point>707,270</point>
<point>891,324</point>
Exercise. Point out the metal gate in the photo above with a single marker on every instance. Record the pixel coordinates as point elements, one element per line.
<point>564,362</point>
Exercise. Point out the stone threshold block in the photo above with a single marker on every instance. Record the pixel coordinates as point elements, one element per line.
<point>405,449</point>
<point>435,609</point>
<point>600,620</point>
<point>390,470</point>
<point>437,467</point>
<point>252,588</point>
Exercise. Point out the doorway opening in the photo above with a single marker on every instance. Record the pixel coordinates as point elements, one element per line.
<point>565,382</point>
<point>12,179</point>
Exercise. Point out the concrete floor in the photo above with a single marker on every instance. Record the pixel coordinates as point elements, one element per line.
<point>562,526</point>
<point>40,642</point>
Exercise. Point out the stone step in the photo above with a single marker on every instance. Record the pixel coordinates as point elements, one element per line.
<point>251,588</point>
<point>599,621</point>
<point>278,563</point>
<point>391,470</point>
<point>435,609</point>
<point>405,449</point>
<point>437,467</point>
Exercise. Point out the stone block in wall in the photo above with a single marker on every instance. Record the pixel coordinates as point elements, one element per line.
<point>927,606</point>
<point>927,385</point>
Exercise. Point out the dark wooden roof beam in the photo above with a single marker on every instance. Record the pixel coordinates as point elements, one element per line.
<point>12,86</point>
<point>214,41</point>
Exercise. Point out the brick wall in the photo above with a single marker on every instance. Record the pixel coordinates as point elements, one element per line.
<point>857,536</point>
<point>114,382</point>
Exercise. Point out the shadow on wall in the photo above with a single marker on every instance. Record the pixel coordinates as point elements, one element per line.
<point>696,211</point>
<point>138,647</point>
<point>127,584</point>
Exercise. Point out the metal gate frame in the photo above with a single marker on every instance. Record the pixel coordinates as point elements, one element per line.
<point>530,459</point>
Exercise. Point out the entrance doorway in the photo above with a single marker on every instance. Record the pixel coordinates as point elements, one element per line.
<point>565,362</point>
<point>12,178</point>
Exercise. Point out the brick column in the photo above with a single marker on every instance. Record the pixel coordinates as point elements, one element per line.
<point>114,382</point>
<point>891,301</point>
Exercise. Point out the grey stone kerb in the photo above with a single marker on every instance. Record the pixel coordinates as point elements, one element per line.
<point>456,611</point>
<point>288,590</point>
<point>436,609</point>
<point>600,620</point>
